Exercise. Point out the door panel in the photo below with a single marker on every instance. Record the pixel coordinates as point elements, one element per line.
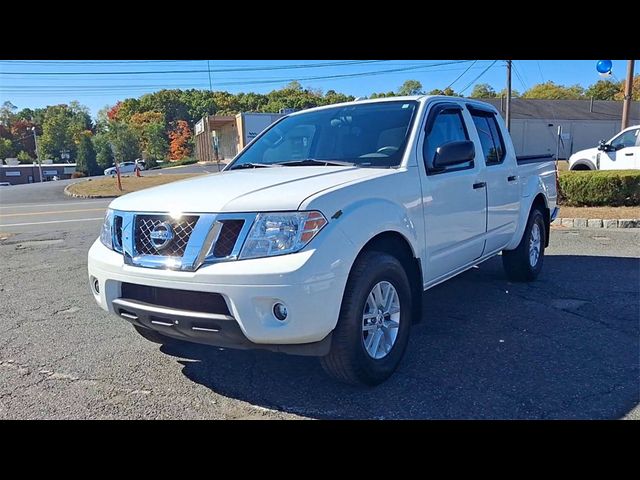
<point>500,174</point>
<point>626,153</point>
<point>455,211</point>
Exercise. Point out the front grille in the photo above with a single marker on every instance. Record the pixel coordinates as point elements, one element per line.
<point>182,229</point>
<point>227,238</point>
<point>204,302</point>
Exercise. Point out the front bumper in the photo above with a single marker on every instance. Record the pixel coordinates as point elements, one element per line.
<point>309,283</point>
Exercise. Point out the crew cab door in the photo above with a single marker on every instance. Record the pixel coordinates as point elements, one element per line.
<point>454,197</point>
<point>625,153</point>
<point>500,174</point>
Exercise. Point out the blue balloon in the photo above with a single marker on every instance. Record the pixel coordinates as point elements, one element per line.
<point>604,66</point>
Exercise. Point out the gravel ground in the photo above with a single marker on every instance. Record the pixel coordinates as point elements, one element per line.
<point>565,346</point>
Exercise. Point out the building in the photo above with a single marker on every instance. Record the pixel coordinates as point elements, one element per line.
<point>21,173</point>
<point>534,123</point>
<point>221,137</point>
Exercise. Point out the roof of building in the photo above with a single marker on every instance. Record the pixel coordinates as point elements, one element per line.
<point>524,108</point>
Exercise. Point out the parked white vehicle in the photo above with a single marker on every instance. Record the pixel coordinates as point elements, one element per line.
<point>321,235</point>
<point>622,152</point>
<point>125,167</point>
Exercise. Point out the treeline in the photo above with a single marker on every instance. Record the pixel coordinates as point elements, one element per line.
<point>159,126</point>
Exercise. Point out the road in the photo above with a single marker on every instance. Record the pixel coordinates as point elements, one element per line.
<point>54,191</point>
<point>563,347</point>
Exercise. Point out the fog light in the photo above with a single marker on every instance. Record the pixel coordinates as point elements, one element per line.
<point>95,285</point>
<point>280,311</point>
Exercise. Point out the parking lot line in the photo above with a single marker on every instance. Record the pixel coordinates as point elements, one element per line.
<point>48,213</point>
<point>53,221</point>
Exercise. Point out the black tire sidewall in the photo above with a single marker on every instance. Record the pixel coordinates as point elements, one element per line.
<point>536,217</point>
<point>381,267</point>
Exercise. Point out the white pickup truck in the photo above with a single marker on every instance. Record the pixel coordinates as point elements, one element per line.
<point>622,152</point>
<point>321,235</point>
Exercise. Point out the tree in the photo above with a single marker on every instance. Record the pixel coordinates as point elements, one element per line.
<point>410,87</point>
<point>514,93</point>
<point>125,142</point>
<point>156,144</point>
<point>552,91</point>
<point>104,154</point>
<point>6,148</point>
<point>57,134</point>
<point>24,157</point>
<point>447,91</point>
<point>483,90</point>
<point>180,136</point>
<point>6,113</point>
<point>86,159</point>
<point>383,95</point>
<point>635,89</point>
<point>602,90</point>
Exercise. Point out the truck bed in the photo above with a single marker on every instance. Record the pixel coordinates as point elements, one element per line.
<point>524,159</point>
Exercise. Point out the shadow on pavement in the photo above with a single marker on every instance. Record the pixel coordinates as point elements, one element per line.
<point>565,346</point>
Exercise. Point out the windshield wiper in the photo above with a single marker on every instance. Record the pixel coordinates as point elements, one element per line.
<point>252,165</point>
<point>314,161</point>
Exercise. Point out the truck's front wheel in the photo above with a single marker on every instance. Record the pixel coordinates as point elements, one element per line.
<point>525,262</point>
<point>375,319</point>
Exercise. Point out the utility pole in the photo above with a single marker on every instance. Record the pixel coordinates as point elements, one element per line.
<point>35,141</point>
<point>508,112</point>
<point>628,86</point>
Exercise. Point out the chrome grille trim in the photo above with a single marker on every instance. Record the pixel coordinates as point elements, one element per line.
<point>182,228</point>
<point>198,249</point>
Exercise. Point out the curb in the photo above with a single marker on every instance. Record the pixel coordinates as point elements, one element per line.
<point>77,195</point>
<point>596,222</point>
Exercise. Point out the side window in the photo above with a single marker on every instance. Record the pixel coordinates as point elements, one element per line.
<point>490,138</point>
<point>627,139</point>
<point>447,127</point>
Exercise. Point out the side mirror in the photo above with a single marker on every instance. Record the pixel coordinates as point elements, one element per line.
<point>602,145</point>
<point>454,153</point>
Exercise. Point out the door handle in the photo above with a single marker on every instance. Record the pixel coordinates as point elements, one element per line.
<point>628,154</point>
<point>479,185</point>
<point>512,178</point>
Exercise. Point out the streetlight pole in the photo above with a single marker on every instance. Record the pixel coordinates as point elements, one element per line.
<point>35,140</point>
<point>508,107</point>
<point>628,86</point>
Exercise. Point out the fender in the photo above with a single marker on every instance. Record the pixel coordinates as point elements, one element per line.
<point>533,185</point>
<point>584,161</point>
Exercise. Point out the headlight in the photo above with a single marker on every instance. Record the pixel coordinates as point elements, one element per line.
<point>281,233</point>
<point>106,234</point>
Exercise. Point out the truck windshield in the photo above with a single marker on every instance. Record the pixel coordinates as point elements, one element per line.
<point>366,135</point>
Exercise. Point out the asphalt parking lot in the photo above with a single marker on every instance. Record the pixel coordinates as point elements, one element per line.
<point>563,347</point>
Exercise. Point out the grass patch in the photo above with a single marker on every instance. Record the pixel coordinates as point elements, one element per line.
<point>108,187</point>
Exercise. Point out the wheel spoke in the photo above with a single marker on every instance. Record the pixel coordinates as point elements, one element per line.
<point>368,328</point>
<point>377,294</point>
<point>389,324</point>
<point>375,343</point>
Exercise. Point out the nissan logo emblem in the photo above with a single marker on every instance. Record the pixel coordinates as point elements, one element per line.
<point>161,235</point>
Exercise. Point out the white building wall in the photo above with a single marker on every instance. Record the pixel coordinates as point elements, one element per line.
<point>531,137</point>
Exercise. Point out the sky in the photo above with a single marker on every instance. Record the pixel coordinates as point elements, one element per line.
<point>97,83</point>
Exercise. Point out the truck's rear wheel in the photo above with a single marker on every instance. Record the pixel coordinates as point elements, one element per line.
<point>525,262</point>
<point>375,319</point>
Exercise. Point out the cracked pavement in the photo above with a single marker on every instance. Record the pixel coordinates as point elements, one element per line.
<point>563,347</point>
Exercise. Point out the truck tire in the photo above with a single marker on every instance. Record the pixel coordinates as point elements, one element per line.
<point>525,262</point>
<point>374,323</point>
<point>154,336</point>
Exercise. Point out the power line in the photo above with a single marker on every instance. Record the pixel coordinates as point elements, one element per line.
<point>233,69</point>
<point>478,77</point>
<point>280,80</point>
<point>461,75</point>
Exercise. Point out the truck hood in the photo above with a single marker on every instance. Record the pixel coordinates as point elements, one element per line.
<point>259,189</point>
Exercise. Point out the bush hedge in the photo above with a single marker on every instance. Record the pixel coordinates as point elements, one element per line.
<point>608,188</point>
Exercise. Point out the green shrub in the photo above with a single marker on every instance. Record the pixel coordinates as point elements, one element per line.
<point>608,188</point>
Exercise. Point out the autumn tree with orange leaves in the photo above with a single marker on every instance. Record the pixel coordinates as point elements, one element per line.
<point>180,141</point>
